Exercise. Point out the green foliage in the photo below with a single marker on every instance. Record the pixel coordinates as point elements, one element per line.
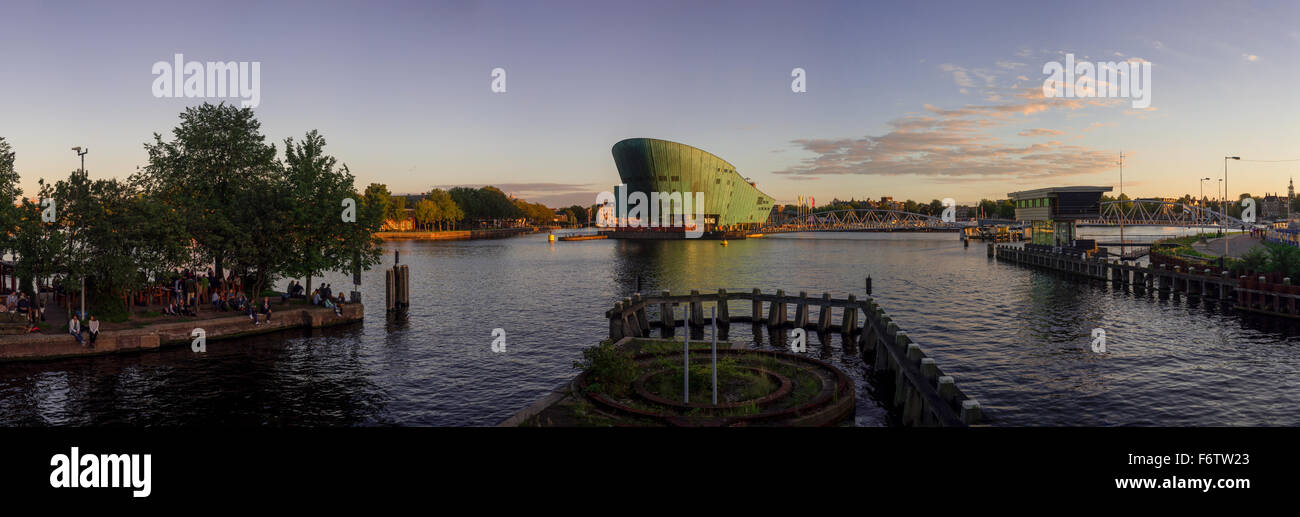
<point>9,192</point>
<point>606,365</point>
<point>396,208</point>
<point>487,203</point>
<point>1254,260</point>
<point>205,173</point>
<point>448,211</point>
<point>427,212</point>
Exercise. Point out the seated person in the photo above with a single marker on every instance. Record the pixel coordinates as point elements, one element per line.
<point>266,308</point>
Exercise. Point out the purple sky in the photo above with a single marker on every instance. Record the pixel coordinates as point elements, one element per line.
<point>911,99</point>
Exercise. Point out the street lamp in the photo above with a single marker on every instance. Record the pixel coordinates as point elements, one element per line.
<point>1218,192</point>
<point>1225,201</point>
<point>1202,200</point>
<point>81,153</point>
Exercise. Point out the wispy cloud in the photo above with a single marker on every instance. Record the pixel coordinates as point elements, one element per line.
<point>1041,132</point>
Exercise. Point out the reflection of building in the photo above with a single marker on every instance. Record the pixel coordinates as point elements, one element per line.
<point>731,201</point>
<point>1054,211</point>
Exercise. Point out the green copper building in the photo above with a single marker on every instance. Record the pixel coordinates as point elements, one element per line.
<point>731,202</point>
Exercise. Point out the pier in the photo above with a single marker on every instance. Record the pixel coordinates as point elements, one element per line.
<point>170,332</point>
<point>1209,283</point>
<point>909,381</point>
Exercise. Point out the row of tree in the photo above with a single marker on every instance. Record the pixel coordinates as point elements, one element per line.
<point>440,209</point>
<point>215,194</point>
<point>987,208</point>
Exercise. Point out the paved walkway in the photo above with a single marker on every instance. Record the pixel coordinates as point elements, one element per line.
<point>1238,245</point>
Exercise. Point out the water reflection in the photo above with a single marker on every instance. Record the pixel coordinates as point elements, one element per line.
<point>1015,338</point>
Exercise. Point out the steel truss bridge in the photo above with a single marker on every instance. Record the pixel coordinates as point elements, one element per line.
<point>1161,213</point>
<point>860,220</point>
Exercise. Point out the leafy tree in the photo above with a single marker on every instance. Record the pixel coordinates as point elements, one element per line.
<point>396,209</point>
<point>317,187</point>
<point>447,209</point>
<point>38,247</point>
<point>1006,209</point>
<point>377,194</point>
<point>427,212</point>
<point>216,152</point>
<point>9,193</point>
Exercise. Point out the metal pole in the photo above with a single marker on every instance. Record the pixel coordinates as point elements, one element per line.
<point>713,314</point>
<point>83,273</point>
<point>686,355</point>
<point>1225,212</point>
<point>1121,203</point>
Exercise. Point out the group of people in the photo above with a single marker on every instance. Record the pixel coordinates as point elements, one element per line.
<point>324,296</point>
<point>92,328</point>
<point>29,309</point>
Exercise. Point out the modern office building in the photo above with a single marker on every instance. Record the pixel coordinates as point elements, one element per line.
<point>730,201</point>
<point>1054,211</point>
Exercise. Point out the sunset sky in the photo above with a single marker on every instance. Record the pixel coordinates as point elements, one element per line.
<point>915,100</point>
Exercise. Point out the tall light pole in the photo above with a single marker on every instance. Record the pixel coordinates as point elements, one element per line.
<point>1120,200</point>
<point>1218,192</point>
<point>82,154</point>
<point>1202,200</point>
<point>1225,200</point>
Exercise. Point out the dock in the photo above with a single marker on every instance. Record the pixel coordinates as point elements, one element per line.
<point>594,237</point>
<point>1204,282</point>
<point>907,380</point>
<point>171,333</point>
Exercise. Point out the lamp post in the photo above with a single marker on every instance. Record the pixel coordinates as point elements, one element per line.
<point>82,154</point>
<point>1225,202</point>
<point>1218,192</point>
<point>1202,200</point>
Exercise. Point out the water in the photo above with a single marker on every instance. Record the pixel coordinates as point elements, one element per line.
<point>1014,338</point>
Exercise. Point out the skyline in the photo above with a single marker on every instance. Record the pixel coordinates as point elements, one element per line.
<point>949,107</point>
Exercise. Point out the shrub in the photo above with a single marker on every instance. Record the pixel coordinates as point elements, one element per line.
<point>610,368</point>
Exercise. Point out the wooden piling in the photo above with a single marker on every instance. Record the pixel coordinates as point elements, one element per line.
<point>824,314</point>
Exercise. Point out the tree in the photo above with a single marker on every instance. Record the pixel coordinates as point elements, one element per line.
<point>936,207</point>
<point>9,193</point>
<point>202,173</point>
<point>427,212</point>
<point>37,246</point>
<point>318,187</point>
<point>1006,209</point>
<point>377,194</point>
<point>447,210</point>
<point>396,210</point>
<point>579,214</point>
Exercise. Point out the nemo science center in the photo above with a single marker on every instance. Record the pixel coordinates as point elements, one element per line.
<point>675,191</point>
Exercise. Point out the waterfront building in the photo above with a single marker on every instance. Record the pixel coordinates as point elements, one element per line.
<point>1053,212</point>
<point>731,201</point>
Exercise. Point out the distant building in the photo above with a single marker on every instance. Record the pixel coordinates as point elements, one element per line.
<point>1054,212</point>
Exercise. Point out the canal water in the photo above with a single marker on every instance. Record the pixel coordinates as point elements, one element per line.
<point>1016,339</point>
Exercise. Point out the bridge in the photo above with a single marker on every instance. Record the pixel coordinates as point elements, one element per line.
<point>1150,212</point>
<point>860,220</point>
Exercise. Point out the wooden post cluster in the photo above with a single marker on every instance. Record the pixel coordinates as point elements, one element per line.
<point>1174,280</point>
<point>397,288</point>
